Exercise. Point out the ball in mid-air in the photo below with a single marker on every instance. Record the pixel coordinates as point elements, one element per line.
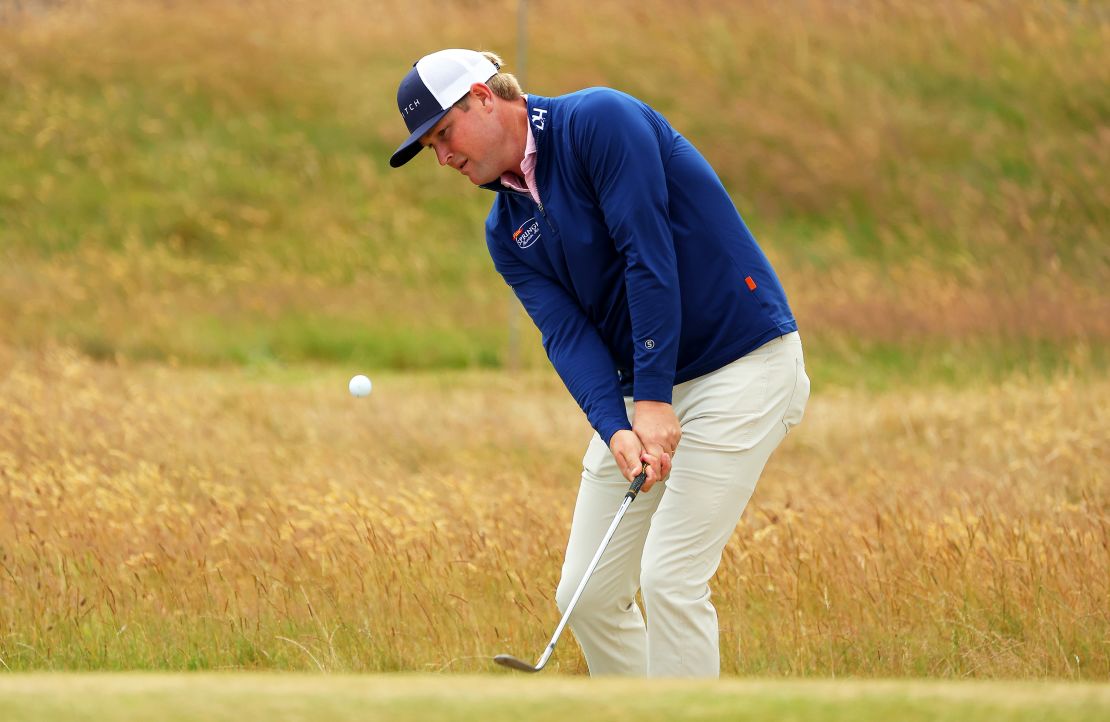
<point>360,386</point>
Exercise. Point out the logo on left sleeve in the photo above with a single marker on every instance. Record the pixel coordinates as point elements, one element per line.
<point>539,118</point>
<point>527,234</point>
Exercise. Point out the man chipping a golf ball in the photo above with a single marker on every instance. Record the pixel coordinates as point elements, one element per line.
<point>662,316</point>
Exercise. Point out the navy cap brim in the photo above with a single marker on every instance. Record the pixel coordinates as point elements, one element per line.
<point>408,150</point>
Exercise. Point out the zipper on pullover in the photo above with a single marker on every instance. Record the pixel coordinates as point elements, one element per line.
<point>539,205</point>
<point>546,219</point>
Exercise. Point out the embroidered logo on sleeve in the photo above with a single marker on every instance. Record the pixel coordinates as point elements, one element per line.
<point>539,118</point>
<point>528,233</point>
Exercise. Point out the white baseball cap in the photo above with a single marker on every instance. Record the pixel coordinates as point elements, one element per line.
<point>427,92</point>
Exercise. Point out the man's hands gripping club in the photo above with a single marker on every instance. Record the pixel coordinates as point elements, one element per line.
<point>653,441</point>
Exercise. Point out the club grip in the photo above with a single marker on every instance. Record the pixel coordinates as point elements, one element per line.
<point>637,483</point>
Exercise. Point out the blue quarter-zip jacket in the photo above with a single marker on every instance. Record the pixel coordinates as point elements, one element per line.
<point>636,266</point>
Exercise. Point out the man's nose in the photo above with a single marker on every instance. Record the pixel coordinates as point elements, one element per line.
<point>443,156</point>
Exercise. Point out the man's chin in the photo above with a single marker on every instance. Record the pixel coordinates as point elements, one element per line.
<point>480,180</point>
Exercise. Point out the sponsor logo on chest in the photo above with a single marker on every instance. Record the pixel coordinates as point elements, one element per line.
<point>527,234</point>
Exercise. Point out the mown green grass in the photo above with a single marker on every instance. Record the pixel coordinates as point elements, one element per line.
<point>887,366</point>
<point>233,697</point>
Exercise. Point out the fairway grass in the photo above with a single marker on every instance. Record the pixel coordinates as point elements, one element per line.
<point>276,697</point>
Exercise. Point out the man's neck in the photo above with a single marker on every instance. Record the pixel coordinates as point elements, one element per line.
<point>518,131</point>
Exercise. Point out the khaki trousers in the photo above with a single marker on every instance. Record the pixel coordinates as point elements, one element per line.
<point>670,541</point>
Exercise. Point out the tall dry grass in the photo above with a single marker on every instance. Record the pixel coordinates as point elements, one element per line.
<point>158,517</point>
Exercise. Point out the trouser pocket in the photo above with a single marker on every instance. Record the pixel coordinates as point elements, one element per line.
<point>796,407</point>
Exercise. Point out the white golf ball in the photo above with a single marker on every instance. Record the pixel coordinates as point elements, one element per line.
<point>360,386</point>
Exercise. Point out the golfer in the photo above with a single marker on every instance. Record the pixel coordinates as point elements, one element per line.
<point>660,313</point>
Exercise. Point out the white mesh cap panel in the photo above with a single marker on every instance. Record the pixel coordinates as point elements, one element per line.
<point>449,74</point>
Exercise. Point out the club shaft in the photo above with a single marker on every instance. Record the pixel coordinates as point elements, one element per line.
<point>586,577</point>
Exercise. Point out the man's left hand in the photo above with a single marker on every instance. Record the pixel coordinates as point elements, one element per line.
<point>655,423</point>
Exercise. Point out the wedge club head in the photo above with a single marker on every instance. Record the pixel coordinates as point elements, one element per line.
<point>508,660</point>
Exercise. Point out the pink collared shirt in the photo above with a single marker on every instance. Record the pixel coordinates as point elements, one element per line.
<point>528,167</point>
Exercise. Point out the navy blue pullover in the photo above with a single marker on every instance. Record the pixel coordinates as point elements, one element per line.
<point>636,266</point>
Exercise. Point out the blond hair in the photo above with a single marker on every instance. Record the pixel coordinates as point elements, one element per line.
<point>503,85</point>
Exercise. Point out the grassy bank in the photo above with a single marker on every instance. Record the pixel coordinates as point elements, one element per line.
<point>207,183</point>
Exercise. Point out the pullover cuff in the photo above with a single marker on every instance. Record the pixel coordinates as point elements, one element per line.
<point>652,387</point>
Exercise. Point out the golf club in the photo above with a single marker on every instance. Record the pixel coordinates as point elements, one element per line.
<point>508,660</point>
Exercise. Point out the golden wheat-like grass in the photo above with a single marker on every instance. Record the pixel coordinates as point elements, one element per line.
<point>160,517</point>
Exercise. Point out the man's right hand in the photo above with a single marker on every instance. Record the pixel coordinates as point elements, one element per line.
<point>630,456</point>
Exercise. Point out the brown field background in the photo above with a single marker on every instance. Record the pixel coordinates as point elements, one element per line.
<point>928,178</point>
<point>156,517</point>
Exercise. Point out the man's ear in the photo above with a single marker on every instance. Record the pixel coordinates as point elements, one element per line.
<point>482,92</point>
